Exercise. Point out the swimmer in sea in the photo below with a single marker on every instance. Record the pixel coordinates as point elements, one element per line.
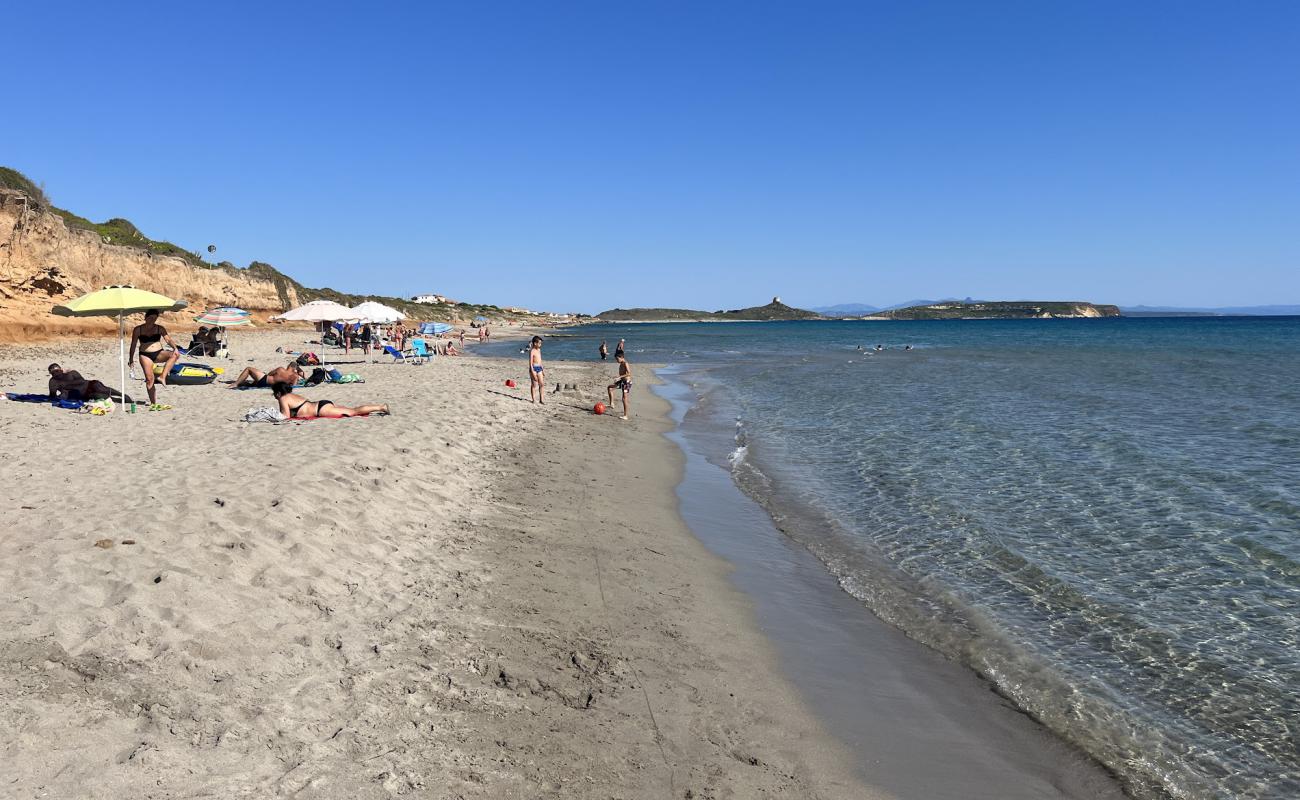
<point>536,372</point>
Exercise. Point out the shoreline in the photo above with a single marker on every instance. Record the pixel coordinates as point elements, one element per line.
<point>475,597</point>
<point>901,707</point>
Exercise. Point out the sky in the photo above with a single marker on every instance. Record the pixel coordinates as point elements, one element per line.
<point>577,156</point>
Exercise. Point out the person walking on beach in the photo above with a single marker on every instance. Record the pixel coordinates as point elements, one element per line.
<point>624,382</point>
<point>536,372</point>
<point>364,337</point>
<point>604,350</point>
<point>148,339</point>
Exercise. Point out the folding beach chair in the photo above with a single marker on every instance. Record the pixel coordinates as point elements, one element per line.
<point>418,350</point>
<point>398,356</point>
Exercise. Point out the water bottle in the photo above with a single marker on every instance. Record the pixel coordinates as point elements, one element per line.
<point>131,410</point>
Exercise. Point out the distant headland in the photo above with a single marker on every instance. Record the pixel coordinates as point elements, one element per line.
<point>1001,309</point>
<point>776,311</point>
<point>773,311</point>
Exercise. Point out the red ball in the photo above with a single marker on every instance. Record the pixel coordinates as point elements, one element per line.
<point>599,408</point>
<point>510,383</point>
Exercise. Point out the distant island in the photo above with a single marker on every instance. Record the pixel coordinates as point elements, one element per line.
<point>1001,309</point>
<point>949,309</point>
<point>773,311</point>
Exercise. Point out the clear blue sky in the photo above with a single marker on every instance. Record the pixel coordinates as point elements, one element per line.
<point>583,155</point>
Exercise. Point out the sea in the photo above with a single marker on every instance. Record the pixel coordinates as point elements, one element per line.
<point>1101,517</point>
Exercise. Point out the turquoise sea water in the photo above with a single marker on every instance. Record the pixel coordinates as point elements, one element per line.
<point>1100,516</point>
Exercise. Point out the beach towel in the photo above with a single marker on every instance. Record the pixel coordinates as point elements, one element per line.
<point>345,377</point>
<point>264,415</point>
<point>42,398</point>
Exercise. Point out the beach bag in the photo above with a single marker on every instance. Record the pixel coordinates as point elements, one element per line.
<point>308,360</point>
<point>317,377</point>
<point>264,415</point>
<point>335,375</point>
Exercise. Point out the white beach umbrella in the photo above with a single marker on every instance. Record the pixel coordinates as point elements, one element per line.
<point>320,311</point>
<point>379,313</point>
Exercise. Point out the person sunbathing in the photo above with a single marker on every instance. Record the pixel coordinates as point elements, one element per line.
<point>69,385</point>
<point>295,406</point>
<point>254,378</point>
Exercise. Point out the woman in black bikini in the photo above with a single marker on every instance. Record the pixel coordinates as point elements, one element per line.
<point>295,406</point>
<point>149,338</point>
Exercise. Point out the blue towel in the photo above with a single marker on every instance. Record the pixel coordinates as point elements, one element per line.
<point>43,398</point>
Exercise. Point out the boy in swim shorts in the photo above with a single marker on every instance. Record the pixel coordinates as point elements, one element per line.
<point>624,382</point>
<point>536,373</point>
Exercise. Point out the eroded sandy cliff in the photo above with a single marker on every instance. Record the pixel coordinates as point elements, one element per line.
<point>44,262</point>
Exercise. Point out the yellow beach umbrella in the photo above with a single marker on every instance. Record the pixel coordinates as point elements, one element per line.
<point>120,302</point>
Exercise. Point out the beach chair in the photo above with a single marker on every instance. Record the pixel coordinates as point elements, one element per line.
<point>418,350</point>
<point>398,356</point>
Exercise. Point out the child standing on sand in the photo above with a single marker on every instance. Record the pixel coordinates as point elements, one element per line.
<point>536,373</point>
<point>624,382</point>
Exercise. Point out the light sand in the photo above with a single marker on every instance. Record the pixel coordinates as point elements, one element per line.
<point>475,597</point>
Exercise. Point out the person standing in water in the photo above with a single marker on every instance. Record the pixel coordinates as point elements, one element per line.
<point>604,350</point>
<point>536,372</point>
<point>618,351</point>
<point>624,382</point>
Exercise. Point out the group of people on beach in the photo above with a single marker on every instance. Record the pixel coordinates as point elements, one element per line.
<point>156,348</point>
<point>158,353</point>
<point>283,380</point>
<point>537,373</point>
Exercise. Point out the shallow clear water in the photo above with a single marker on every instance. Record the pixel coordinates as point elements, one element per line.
<point>1101,516</point>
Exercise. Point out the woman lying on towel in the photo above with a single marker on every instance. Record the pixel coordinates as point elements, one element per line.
<point>295,406</point>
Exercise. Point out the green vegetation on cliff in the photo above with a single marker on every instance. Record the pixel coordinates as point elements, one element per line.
<point>123,233</point>
<point>773,311</point>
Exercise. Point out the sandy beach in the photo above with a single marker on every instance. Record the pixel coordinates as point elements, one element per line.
<point>474,597</point>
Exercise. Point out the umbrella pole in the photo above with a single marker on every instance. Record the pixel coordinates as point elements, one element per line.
<point>121,359</point>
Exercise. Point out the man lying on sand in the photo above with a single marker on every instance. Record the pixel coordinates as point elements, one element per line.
<point>254,378</point>
<point>69,385</point>
<point>295,406</point>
